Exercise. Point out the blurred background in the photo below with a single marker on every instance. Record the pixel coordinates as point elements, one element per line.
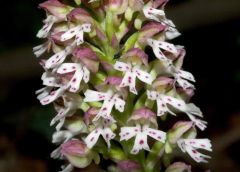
<point>211,34</point>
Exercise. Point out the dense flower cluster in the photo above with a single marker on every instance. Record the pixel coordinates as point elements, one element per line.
<point>110,96</point>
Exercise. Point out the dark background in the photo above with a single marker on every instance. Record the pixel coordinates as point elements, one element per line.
<point>211,34</point>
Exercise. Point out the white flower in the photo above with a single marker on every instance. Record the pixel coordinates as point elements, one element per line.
<point>46,95</point>
<point>158,45</point>
<point>80,73</point>
<point>181,78</point>
<point>59,57</point>
<point>131,73</point>
<point>159,16</point>
<point>71,104</point>
<point>164,104</point>
<point>78,32</point>
<point>152,13</point>
<point>102,127</point>
<point>191,145</point>
<point>109,100</point>
<point>40,49</point>
<point>62,136</point>
<point>141,133</point>
<point>49,21</point>
<point>67,168</point>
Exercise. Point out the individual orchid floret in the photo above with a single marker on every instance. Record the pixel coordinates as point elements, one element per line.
<point>152,13</point>
<point>58,58</point>
<point>136,56</point>
<point>191,145</point>
<point>58,12</point>
<point>71,104</point>
<point>80,73</point>
<point>48,95</point>
<point>87,57</point>
<point>109,100</point>
<point>40,49</point>
<point>102,127</point>
<point>165,103</point>
<point>62,136</point>
<point>158,45</point>
<point>77,153</point>
<point>178,167</point>
<point>181,78</point>
<point>128,165</point>
<point>78,32</point>
<point>149,30</point>
<point>142,131</point>
<point>131,73</point>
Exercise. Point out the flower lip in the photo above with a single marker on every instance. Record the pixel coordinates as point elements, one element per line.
<point>136,54</point>
<point>74,147</point>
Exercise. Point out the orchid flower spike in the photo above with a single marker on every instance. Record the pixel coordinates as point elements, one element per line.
<point>109,62</point>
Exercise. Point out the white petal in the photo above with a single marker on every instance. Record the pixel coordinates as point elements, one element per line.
<point>140,143</point>
<point>61,136</point>
<point>108,135</point>
<point>75,82</point>
<point>152,95</point>
<point>186,75</point>
<point>79,37</point>
<point>68,168</point>
<point>60,124</point>
<point>40,49</point>
<point>176,103</point>
<point>119,104</point>
<point>166,46</point>
<point>43,92</point>
<point>199,143</point>
<point>129,79</point>
<point>157,51</point>
<point>56,59</point>
<point>162,108</point>
<point>50,80</point>
<point>105,110</point>
<point>52,96</point>
<point>152,13</point>
<point>156,134</point>
<point>56,153</point>
<point>128,132</point>
<point>122,66</point>
<point>184,84</point>
<point>43,33</point>
<point>86,74</point>
<point>69,34</point>
<point>197,156</point>
<point>67,68</point>
<point>93,96</point>
<point>92,138</point>
<point>172,34</point>
<point>202,125</point>
<point>86,27</point>
<point>193,109</point>
<point>143,76</point>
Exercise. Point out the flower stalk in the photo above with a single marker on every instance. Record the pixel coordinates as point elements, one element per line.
<point>111,97</point>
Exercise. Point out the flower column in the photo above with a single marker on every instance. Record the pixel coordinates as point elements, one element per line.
<point>110,96</point>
